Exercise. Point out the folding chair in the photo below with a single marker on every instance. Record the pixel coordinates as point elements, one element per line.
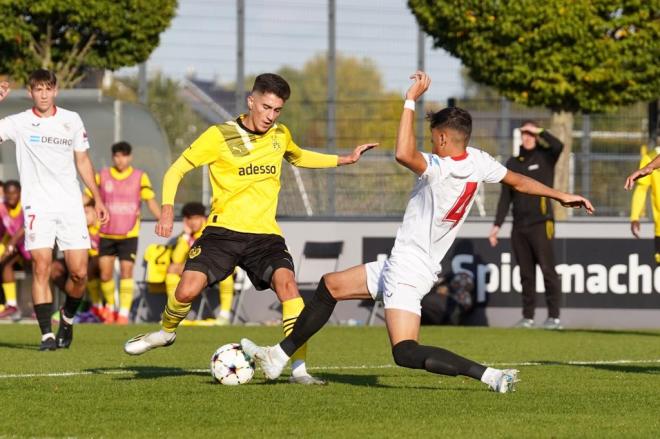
<point>327,252</point>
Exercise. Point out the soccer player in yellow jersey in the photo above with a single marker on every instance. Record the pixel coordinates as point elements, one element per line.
<point>638,204</point>
<point>122,189</point>
<point>245,163</point>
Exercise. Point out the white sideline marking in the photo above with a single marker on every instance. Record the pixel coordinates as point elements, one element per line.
<point>320,368</point>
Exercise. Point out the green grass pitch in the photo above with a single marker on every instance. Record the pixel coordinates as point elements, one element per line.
<point>574,384</point>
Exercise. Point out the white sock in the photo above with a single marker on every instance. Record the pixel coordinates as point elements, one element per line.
<point>298,368</point>
<point>167,335</point>
<point>491,376</point>
<point>47,335</point>
<point>68,320</point>
<point>11,303</point>
<point>279,354</point>
<point>224,314</point>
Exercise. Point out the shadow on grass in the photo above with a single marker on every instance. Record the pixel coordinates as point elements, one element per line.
<point>369,381</point>
<point>621,368</point>
<point>145,372</point>
<point>27,347</point>
<point>611,332</point>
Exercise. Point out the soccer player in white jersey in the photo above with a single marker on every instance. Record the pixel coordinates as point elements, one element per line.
<point>449,178</point>
<point>51,143</point>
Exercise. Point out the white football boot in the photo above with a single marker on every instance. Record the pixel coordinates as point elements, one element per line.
<point>145,342</point>
<point>506,383</point>
<point>266,357</point>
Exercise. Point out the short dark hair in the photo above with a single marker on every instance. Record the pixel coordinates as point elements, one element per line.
<point>42,77</point>
<point>14,183</point>
<point>272,83</point>
<point>193,208</point>
<point>124,148</point>
<point>530,122</point>
<point>454,118</point>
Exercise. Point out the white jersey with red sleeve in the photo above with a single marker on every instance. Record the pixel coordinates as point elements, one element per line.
<point>438,206</point>
<point>45,157</point>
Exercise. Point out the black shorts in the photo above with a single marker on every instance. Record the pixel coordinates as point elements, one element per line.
<point>218,251</point>
<point>125,249</point>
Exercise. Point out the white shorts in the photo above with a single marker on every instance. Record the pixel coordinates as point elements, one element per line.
<point>68,229</point>
<point>396,286</point>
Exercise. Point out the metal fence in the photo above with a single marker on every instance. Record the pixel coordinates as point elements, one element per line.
<point>606,148</point>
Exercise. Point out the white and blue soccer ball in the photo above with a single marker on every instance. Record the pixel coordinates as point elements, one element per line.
<point>231,366</point>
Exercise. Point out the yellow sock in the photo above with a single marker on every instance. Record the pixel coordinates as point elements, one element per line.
<point>94,291</point>
<point>226,296</point>
<point>291,309</point>
<point>171,282</point>
<point>125,296</point>
<point>174,313</point>
<point>10,293</point>
<point>108,290</point>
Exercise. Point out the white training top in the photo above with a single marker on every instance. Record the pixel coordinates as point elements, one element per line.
<point>438,206</point>
<point>44,154</point>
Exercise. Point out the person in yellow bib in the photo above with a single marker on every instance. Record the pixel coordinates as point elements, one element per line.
<point>122,188</point>
<point>638,203</point>
<point>194,221</point>
<point>245,158</point>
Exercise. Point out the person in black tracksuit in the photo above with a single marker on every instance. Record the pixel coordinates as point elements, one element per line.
<point>532,231</point>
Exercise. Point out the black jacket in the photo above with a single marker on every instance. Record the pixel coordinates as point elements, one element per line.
<point>539,164</point>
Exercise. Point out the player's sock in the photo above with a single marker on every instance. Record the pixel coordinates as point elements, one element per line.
<point>108,290</point>
<point>171,282</point>
<point>94,292</point>
<point>174,313</point>
<point>226,296</point>
<point>312,318</point>
<point>70,307</point>
<point>291,309</point>
<point>43,312</point>
<point>409,353</point>
<point>125,296</point>
<point>10,293</point>
<point>490,376</point>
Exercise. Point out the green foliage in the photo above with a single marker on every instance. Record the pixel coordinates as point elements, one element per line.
<point>566,55</point>
<point>70,36</point>
<point>365,112</point>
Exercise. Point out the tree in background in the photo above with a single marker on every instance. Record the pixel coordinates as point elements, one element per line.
<point>69,36</point>
<point>365,111</point>
<point>565,55</point>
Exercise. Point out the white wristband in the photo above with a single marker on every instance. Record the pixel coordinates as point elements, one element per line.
<point>409,104</point>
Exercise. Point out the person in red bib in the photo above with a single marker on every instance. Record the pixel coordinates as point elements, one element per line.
<point>123,188</point>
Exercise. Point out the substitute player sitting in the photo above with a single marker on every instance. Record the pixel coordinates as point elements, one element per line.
<point>448,180</point>
<point>245,164</point>
<point>123,188</point>
<point>51,144</point>
<point>194,221</point>
<point>12,246</point>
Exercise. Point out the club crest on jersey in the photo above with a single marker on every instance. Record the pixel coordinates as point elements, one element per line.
<point>194,252</point>
<point>67,126</point>
<point>108,186</point>
<point>276,144</point>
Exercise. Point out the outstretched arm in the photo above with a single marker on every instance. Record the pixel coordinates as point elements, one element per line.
<point>171,181</point>
<point>646,170</point>
<point>87,174</point>
<point>406,150</point>
<point>530,186</point>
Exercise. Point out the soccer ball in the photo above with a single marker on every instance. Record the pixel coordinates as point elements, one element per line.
<point>231,366</point>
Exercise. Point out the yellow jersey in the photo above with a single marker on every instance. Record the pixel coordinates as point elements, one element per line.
<point>642,186</point>
<point>245,169</point>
